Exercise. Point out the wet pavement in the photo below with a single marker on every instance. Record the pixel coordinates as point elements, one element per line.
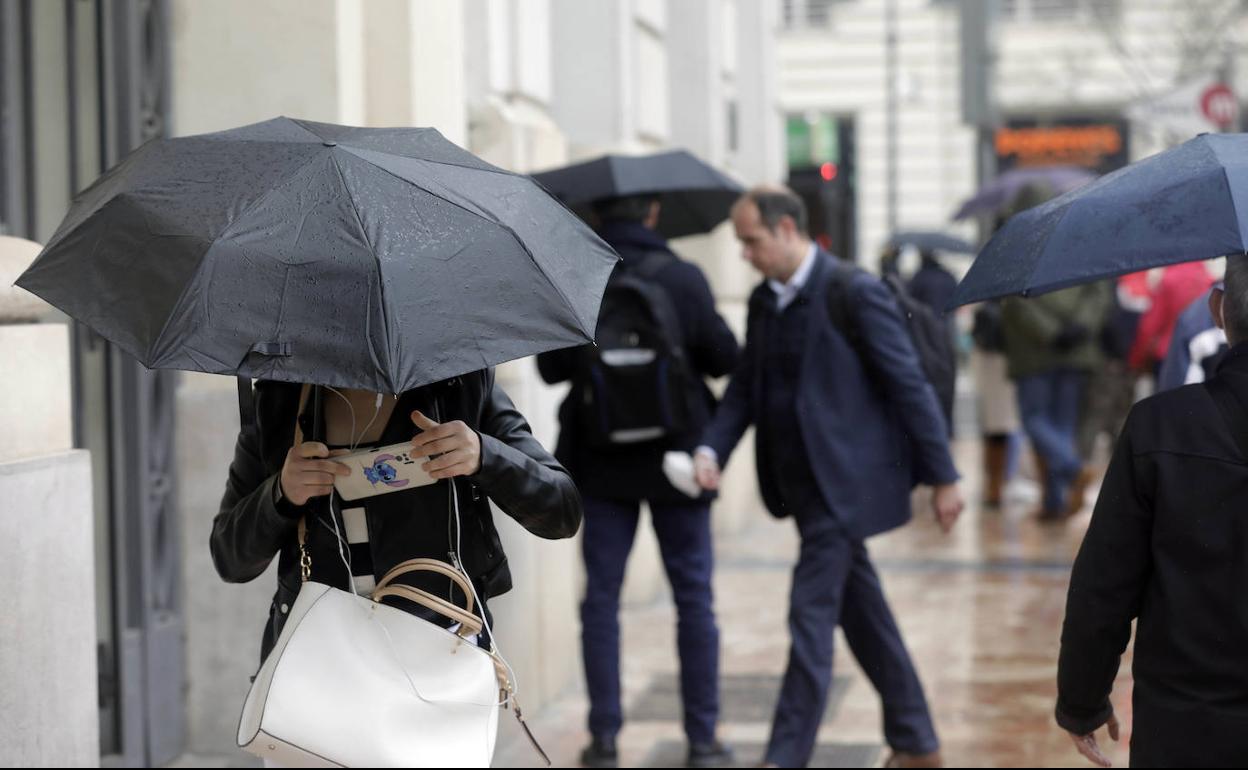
<point>980,610</point>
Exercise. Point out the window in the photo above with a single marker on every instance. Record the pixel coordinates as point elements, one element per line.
<point>798,14</point>
<point>1058,10</point>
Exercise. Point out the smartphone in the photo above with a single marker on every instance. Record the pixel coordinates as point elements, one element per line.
<point>380,471</point>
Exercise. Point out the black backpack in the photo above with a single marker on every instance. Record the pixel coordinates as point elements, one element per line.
<point>928,332</point>
<point>988,330</point>
<point>635,385</point>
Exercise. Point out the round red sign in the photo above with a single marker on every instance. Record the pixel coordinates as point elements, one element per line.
<point>1219,105</point>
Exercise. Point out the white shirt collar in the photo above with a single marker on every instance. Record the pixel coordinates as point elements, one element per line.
<point>787,291</point>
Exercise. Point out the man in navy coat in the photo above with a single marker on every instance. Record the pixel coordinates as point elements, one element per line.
<point>844,430</point>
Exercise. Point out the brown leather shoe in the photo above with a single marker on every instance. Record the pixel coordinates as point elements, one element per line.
<point>902,759</point>
<point>1079,490</point>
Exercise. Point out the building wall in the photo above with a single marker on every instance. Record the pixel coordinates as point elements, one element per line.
<point>1084,65</point>
<point>842,70</point>
<point>48,701</point>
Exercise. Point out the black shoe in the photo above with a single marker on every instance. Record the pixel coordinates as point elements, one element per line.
<point>713,754</point>
<point>600,753</point>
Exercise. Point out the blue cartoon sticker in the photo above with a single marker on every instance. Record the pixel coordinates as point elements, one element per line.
<point>382,472</point>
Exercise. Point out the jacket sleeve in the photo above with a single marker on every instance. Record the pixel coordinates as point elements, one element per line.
<point>734,415</point>
<point>712,347</point>
<point>887,342</point>
<point>518,474</point>
<point>1106,589</point>
<point>249,528</point>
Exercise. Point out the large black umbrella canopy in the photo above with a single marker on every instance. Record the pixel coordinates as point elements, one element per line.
<point>381,259</point>
<point>1189,203</point>
<point>694,196</point>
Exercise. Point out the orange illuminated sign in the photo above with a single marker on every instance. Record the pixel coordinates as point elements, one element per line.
<point>1088,145</point>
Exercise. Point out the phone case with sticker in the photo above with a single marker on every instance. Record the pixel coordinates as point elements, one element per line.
<point>380,471</point>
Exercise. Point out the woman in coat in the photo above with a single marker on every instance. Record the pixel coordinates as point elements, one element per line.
<point>482,448</point>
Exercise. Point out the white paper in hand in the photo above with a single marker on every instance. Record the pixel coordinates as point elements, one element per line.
<point>678,467</point>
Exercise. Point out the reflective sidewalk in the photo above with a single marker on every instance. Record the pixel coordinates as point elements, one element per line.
<point>980,609</point>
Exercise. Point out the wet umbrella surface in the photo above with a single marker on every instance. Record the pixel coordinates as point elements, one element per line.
<point>381,259</point>
<point>1186,204</point>
<point>694,196</point>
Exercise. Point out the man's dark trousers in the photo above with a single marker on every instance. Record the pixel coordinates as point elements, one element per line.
<point>835,583</point>
<point>684,534</point>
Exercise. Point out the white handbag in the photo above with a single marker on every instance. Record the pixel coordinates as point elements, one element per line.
<point>352,682</point>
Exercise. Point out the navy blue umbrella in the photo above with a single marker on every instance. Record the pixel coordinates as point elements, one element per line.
<point>1186,204</point>
<point>694,196</point>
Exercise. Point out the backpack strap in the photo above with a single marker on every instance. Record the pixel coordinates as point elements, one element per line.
<point>839,302</point>
<point>649,265</point>
<point>646,269</point>
<point>1232,410</point>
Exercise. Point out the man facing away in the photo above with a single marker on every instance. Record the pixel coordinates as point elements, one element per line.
<point>844,428</point>
<point>614,479</point>
<point>1168,547</point>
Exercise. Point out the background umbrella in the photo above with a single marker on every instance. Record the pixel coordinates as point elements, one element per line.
<point>381,259</point>
<point>695,197</point>
<point>999,194</point>
<point>1186,204</point>
<point>930,241</point>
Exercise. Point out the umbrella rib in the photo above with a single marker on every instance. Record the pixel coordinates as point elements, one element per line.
<point>568,305</point>
<point>381,283</point>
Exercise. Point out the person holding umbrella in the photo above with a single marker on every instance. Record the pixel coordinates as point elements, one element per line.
<point>1166,548</point>
<point>349,271</point>
<point>479,447</point>
<point>618,469</point>
<point>1166,544</point>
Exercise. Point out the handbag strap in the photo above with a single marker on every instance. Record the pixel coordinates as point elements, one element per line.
<point>305,558</point>
<point>1232,410</point>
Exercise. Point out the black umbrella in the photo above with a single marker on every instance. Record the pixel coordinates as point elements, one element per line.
<point>695,197</point>
<point>931,241</point>
<point>381,259</point>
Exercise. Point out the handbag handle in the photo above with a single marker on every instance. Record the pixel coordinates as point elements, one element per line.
<point>429,565</point>
<point>469,624</point>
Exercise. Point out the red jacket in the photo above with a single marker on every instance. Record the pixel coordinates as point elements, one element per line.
<point>1179,286</point>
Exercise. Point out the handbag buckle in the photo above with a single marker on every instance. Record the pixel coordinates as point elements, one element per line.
<point>305,562</point>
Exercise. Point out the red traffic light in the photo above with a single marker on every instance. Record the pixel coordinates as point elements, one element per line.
<point>828,171</point>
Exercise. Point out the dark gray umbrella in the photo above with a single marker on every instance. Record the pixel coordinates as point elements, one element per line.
<point>997,196</point>
<point>695,197</point>
<point>381,259</point>
<point>931,241</point>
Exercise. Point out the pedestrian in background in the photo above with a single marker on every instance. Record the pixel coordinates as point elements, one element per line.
<point>933,285</point>
<point>1053,346</point>
<point>1177,288</point>
<point>842,433</point>
<point>617,469</point>
<point>1196,347</point>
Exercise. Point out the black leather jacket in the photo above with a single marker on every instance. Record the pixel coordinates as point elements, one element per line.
<point>517,473</point>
